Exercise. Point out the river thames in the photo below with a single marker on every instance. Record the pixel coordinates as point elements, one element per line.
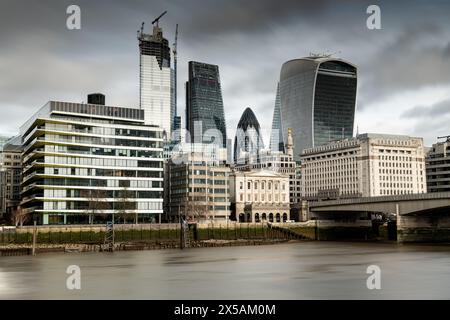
<point>306,270</point>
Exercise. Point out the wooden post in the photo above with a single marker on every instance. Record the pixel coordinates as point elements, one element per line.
<point>34,238</point>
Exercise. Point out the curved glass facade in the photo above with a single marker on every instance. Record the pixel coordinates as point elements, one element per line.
<point>318,100</point>
<point>248,141</point>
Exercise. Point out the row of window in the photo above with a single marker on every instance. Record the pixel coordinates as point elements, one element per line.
<point>263,185</point>
<point>262,197</point>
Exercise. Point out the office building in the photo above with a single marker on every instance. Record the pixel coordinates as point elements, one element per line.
<point>260,195</point>
<point>318,100</point>
<point>10,176</point>
<point>438,167</point>
<point>205,118</point>
<point>248,141</point>
<point>199,188</point>
<point>276,135</point>
<point>157,81</point>
<point>82,163</point>
<point>369,165</point>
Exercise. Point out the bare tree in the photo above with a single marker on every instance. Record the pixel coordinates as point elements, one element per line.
<point>195,210</point>
<point>19,217</point>
<point>96,203</point>
<point>124,205</point>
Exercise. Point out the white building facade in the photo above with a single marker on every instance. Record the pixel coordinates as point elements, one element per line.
<point>260,195</point>
<point>82,163</point>
<point>369,165</point>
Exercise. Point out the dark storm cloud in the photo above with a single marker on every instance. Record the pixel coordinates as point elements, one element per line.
<point>417,57</point>
<point>250,39</point>
<point>419,112</point>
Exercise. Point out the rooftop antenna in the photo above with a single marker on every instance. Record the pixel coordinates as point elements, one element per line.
<point>157,19</point>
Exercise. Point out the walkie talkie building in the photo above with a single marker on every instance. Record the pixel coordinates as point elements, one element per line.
<point>318,100</point>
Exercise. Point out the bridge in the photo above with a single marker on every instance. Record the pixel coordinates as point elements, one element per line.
<point>420,217</point>
<point>409,204</point>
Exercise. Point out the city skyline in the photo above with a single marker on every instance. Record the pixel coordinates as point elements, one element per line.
<point>392,97</point>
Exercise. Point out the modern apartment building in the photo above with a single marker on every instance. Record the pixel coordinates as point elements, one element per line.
<point>199,188</point>
<point>438,167</point>
<point>260,195</point>
<point>366,166</point>
<point>318,100</point>
<point>82,163</point>
<point>10,176</point>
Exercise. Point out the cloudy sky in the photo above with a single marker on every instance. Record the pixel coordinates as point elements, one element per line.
<point>404,68</point>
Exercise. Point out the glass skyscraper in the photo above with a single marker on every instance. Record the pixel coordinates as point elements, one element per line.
<point>248,141</point>
<point>204,104</point>
<point>157,81</point>
<point>276,136</point>
<point>318,100</point>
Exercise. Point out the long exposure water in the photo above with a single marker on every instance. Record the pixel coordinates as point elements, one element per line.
<point>307,270</point>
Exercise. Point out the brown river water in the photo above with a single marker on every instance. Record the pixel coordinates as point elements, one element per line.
<point>305,270</point>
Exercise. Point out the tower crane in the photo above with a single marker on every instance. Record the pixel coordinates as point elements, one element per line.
<point>157,19</point>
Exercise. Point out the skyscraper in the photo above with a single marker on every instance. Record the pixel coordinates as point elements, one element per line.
<point>276,136</point>
<point>318,100</point>
<point>157,97</point>
<point>204,104</point>
<point>248,141</point>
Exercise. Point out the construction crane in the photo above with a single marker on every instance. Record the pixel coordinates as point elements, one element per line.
<point>447,138</point>
<point>157,19</point>
<point>174,50</point>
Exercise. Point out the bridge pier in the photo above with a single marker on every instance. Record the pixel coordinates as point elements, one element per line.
<point>423,228</point>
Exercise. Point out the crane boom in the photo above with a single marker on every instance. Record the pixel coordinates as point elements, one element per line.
<point>157,19</point>
<point>175,52</point>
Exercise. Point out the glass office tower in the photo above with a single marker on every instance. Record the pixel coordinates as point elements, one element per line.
<point>276,136</point>
<point>82,163</point>
<point>318,100</point>
<point>157,81</point>
<point>248,141</point>
<point>204,104</point>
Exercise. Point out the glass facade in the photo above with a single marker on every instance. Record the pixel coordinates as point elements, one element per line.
<point>318,100</point>
<point>204,103</point>
<point>276,136</point>
<point>83,167</point>
<point>248,141</point>
<point>157,82</point>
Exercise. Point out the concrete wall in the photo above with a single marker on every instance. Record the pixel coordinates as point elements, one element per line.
<point>423,228</point>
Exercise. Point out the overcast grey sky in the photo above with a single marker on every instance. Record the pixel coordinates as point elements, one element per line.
<point>404,68</point>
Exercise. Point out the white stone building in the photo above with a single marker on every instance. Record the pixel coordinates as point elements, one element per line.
<point>279,162</point>
<point>260,195</point>
<point>366,166</point>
